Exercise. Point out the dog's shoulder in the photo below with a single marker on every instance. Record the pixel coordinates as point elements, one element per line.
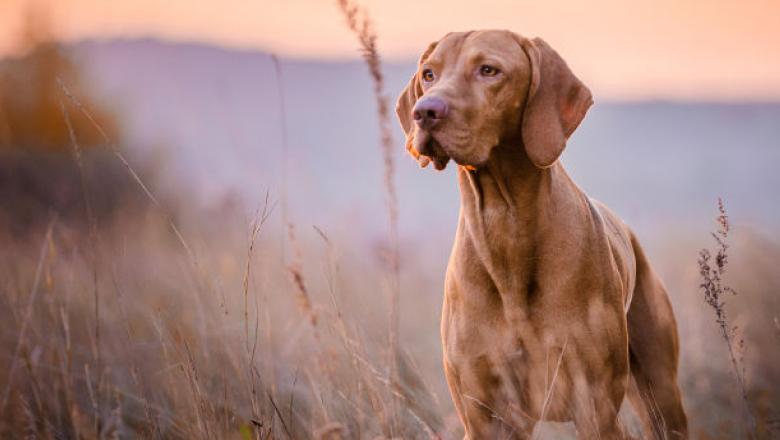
<point>611,221</point>
<point>619,236</point>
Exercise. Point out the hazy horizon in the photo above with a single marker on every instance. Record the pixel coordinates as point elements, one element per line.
<point>666,49</point>
<point>212,115</point>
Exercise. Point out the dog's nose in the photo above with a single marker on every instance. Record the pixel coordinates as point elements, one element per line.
<point>428,111</point>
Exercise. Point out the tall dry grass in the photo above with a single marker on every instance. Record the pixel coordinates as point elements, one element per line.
<point>143,333</point>
<point>180,361</point>
<point>360,24</point>
<point>715,291</point>
<point>170,361</point>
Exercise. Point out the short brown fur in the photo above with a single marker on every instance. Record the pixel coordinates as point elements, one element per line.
<point>551,309</point>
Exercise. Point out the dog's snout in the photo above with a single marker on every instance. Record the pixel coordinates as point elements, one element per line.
<point>429,110</point>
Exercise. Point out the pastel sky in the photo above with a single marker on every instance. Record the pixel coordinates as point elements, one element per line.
<point>623,49</point>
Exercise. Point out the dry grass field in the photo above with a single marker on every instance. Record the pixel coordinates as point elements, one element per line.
<point>130,312</point>
<point>130,336</point>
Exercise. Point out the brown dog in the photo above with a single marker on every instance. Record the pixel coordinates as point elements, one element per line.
<point>550,304</point>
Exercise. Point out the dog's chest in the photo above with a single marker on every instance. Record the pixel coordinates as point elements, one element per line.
<point>497,362</point>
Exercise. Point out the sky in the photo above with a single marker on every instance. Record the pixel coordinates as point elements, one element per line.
<point>623,49</point>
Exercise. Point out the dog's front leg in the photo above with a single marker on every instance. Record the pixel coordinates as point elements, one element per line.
<point>595,411</point>
<point>482,407</point>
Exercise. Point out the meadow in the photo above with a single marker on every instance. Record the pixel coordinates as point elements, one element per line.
<point>130,310</point>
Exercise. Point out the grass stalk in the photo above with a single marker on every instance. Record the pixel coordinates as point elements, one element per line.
<point>114,150</point>
<point>359,23</point>
<point>27,314</point>
<point>93,238</point>
<point>715,291</point>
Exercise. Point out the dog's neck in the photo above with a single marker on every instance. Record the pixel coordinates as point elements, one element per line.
<point>508,182</point>
<point>513,213</point>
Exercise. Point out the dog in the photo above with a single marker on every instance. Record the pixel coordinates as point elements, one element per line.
<point>551,309</point>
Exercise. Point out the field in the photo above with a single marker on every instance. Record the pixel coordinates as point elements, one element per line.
<point>131,309</point>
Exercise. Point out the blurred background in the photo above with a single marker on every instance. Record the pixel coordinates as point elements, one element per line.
<point>138,298</point>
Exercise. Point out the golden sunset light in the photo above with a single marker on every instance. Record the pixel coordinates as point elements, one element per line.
<point>354,219</point>
<point>664,49</point>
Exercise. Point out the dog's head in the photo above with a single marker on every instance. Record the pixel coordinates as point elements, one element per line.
<point>475,90</point>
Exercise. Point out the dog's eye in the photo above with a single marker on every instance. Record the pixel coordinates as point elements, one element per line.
<point>487,70</point>
<point>427,75</point>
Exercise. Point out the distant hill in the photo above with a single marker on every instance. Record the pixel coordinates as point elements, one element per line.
<point>215,115</point>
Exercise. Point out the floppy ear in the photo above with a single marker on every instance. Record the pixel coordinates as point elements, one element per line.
<point>405,104</point>
<point>556,104</point>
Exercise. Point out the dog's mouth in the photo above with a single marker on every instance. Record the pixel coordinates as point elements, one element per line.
<point>427,145</point>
